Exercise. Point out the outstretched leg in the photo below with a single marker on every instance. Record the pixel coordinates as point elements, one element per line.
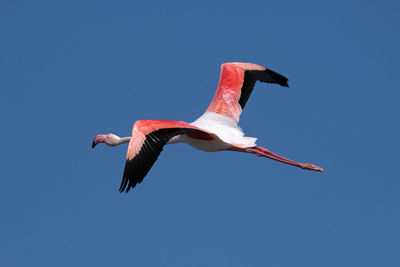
<point>263,152</point>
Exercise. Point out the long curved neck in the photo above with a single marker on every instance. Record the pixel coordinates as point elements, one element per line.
<point>123,140</point>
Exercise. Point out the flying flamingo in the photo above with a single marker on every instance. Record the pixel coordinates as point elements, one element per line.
<point>215,130</point>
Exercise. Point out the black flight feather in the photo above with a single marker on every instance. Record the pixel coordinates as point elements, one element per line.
<point>252,76</point>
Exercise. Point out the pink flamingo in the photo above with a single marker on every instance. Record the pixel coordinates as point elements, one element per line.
<point>215,130</point>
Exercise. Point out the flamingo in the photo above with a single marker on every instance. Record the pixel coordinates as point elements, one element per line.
<point>216,130</point>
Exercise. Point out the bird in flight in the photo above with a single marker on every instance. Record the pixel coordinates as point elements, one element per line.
<point>216,130</point>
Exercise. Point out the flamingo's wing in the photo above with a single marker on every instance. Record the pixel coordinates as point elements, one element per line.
<point>146,144</point>
<point>236,83</point>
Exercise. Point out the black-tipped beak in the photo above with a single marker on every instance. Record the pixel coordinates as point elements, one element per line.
<point>93,144</point>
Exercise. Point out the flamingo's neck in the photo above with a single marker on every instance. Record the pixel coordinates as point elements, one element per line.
<point>115,140</point>
<point>123,140</point>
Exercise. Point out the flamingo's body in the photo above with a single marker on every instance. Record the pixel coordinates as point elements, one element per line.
<point>215,130</point>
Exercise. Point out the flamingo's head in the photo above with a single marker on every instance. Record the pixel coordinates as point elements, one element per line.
<point>108,139</point>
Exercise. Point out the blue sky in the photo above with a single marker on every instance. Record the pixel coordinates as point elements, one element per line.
<point>74,69</point>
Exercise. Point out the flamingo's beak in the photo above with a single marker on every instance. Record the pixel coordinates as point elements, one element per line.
<point>98,139</point>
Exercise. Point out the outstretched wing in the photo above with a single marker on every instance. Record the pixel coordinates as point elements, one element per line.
<point>236,83</point>
<point>146,144</point>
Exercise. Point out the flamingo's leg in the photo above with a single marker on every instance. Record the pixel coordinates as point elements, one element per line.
<point>263,152</point>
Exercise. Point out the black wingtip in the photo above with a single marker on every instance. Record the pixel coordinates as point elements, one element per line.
<point>126,183</point>
<point>124,188</point>
<point>124,179</point>
<point>285,83</point>
<point>274,77</point>
<point>282,81</point>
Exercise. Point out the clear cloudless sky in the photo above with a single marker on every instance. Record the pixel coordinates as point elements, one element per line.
<point>72,69</point>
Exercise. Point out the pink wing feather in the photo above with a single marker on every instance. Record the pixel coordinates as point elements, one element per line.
<point>236,83</point>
